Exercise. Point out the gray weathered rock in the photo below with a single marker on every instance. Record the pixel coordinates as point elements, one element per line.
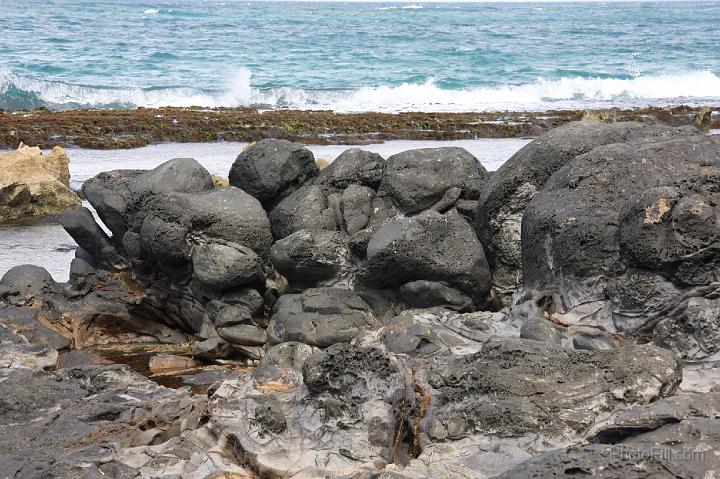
<point>601,461</point>
<point>320,317</point>
<point>83,278</point>
<point>27,281</point>
<point>243,335</point>
<point>311,207</point>
<point>357,207</point>
<point>16,352</point>
<point>80,224</point>
<point>119,196</point>
<point>353,166</point>
<point>329,414</point>
<point>430,333</point>
<point>226,265</point>
<point>228,214</point>
<point>104,421</point>
<point>496,391</point>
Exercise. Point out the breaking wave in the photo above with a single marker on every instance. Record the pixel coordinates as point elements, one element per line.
<point>19,92</point>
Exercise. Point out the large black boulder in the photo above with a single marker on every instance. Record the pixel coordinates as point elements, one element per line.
<point>508,191</point>
<point>270,169</point>
<point>417,179</point>
<point>431,247</point>
<point>638,195</point>
<point>633,223</point>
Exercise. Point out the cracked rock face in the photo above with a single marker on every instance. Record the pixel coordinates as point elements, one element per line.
<point>32,184</point>
<point>320,317</point>
<point>513,387</point>
<point>310,414</point>
<point>103,421</point>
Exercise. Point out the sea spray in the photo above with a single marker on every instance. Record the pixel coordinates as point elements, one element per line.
<point>695,88</point>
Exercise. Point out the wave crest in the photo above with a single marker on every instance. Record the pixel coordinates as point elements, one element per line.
<point>701,87</point>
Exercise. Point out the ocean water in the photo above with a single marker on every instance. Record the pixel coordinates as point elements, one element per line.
<point>357,56</point>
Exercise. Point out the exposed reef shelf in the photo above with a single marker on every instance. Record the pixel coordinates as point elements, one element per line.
<point>114,129</point>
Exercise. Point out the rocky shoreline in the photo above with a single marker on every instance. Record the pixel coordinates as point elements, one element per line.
<point>110,129</point>
<point>408,317</point>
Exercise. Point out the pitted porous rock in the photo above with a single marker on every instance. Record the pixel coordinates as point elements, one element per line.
<point>329,414</point>
<point>637,213</point>
<point>313,258</point>
<point>502,202</point>
<point>311,207</point>
<point>431,247</point>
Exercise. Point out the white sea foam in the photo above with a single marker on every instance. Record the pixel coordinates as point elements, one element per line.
<point>701,87</point>
<point>152,11</point>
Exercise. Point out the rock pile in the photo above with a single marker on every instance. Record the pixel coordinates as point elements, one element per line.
<point>415,317</point>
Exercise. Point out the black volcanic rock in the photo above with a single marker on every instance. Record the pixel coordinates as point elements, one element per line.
<point>417,179</point>
<point>270,169</point>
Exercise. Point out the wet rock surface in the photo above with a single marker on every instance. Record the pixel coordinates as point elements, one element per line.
<point>348,323</point>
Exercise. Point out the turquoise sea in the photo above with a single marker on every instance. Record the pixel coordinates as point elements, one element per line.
<point>357,56</point>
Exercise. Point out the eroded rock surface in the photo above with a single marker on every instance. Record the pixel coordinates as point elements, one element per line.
<point>32,184</point>
<point>509,190</point>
